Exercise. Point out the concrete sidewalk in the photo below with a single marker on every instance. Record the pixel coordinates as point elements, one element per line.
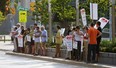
<point>8,47</point>
<point>60,60</point>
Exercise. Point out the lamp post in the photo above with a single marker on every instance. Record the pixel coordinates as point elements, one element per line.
<point>24,5</point>
<point>50,19</point>
<point>112,20</point>
<point>77,12</point>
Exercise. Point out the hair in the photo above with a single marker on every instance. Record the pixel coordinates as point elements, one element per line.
<point>37,27</point>
<point>92,24</point>
<point>77,27</point>
<point>58,27</point>
<point>98,23</point>
<point>28,29</point>
<point>35,24</point>
<point>73,28</point>
<point>85,28</point>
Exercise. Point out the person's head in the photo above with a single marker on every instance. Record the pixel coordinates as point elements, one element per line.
<point>18,25</point>
<point>73,29</point>
<point>22,27</point>
<point>28,30</point>
<point>85,28</point>
<point>58,27</point>
<point>37,28</point>
<point>92,24</point>
<point>42,27</point>
<point>77,28</point>
<point>35,25</point>
<point>98,23</point>
<point>15,28</point>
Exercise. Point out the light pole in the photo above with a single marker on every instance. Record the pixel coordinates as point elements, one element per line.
<point>77,12</point>
<point>50,19</point>
<point>112,20</point>
<point>24,5</point>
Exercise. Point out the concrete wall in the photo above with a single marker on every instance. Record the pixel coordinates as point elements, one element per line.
<point>105,58</point>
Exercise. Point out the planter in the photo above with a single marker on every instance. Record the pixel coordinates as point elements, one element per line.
<point>105,57</point>
<point>108,58</point>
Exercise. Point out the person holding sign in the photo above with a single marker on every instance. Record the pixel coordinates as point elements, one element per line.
<point>58,40</point>
<point>77,39</point>
<point>28,41</point>
<point>98,24</point>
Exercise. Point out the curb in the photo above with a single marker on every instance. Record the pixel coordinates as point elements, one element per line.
<point>5,50</point>
<point>58,60</point>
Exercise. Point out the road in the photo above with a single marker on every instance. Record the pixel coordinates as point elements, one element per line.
<point>8,61</point>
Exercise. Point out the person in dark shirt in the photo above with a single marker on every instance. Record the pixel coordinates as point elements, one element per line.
<point>98,40</point>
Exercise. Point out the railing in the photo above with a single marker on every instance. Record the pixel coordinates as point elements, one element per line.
<point>5,38</point>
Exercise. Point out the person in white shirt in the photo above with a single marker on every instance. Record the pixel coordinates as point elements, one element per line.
<point>17,33</point>
<point>77,38</point>
<point>28,41</point>
<point>37,40</point>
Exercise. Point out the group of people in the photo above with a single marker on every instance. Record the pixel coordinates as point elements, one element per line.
<point>30,40</point>
<point>34,41</point>
<point>88,49</point>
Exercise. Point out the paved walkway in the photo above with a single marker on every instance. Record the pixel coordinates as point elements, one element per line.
<point>7,46</point>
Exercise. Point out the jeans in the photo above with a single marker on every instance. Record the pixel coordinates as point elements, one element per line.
<point>77,52</point>
<point>91,52</point>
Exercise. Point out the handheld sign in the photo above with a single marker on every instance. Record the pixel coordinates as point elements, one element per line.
<point>103,21</point>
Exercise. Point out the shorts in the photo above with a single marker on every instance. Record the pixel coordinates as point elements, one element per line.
<point>32,41</point>
<point>28,43</point>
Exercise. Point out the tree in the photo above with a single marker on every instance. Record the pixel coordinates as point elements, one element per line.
<point>41,11</point>
<point>63,11</point>
<point>103,8</point>
<point>4,6</point>
<point>2,18</point>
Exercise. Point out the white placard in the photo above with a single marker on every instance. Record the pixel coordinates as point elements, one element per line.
<point>62,31</point>
<point>20,41</point>
<point>83,16</point>
<point>103,21</point>
<point>68,42</point>
<point>94,11</point>
<point>75,44</point>
<point>82,44</point>
<point>28,38</point>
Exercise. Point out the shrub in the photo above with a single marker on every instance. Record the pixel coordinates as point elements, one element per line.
<point>114,50</point>
<point>108,46</point>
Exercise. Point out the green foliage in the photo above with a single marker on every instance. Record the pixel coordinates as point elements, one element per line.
<point>63,10</point>
<point>114,49</point>
<point>108,46</point>
<point>103,8</point>
<point>2,18</point>
<point>41,9</point>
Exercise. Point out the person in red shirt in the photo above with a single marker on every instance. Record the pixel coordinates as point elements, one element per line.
<point>92,35</point>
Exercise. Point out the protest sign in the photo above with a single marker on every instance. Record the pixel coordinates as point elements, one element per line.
<point>103,21</point>
<point>75,44</point>
<point>68,42</point>
<point>20,41</point>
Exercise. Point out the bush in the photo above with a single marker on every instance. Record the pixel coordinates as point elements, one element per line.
<point>114,50</point>
<point>108,46</point>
